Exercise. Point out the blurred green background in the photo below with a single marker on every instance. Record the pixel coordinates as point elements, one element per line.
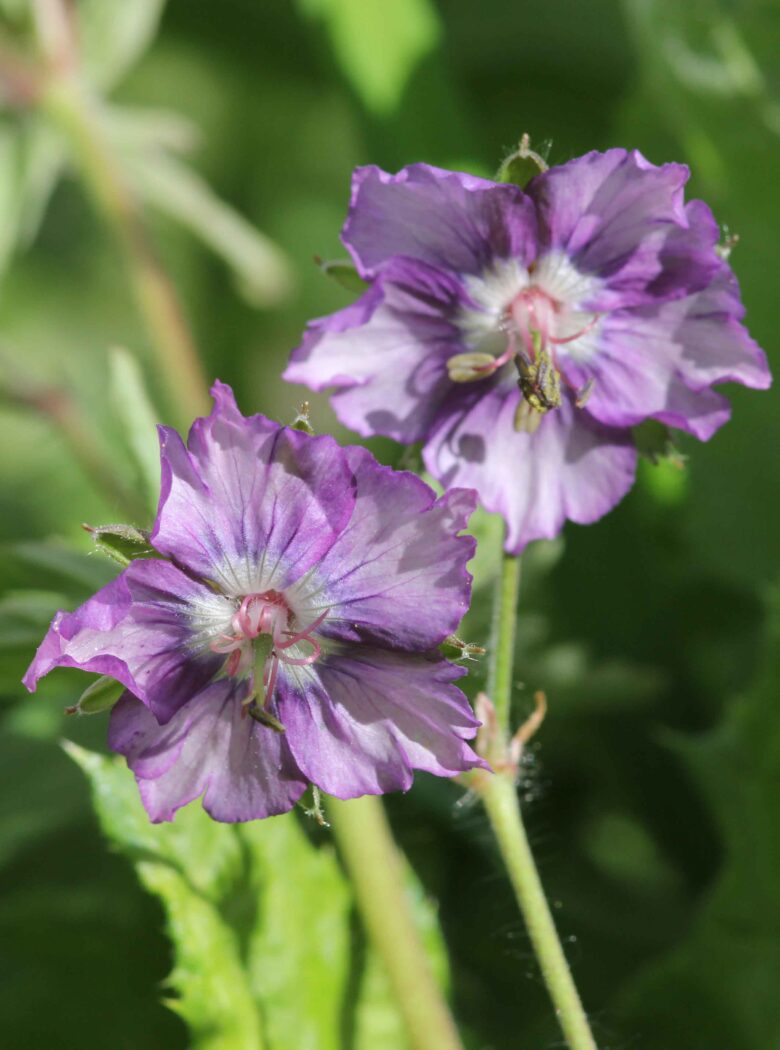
<point>653,792</point>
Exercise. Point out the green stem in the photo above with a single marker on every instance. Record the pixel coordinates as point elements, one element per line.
<point>76,114</point>
<point>376,869</point>
<point>499,796</point>
<point>502,634</point>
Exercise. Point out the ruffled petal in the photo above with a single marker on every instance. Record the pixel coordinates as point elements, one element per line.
<point>140,629</point>
<point>572,468</point>
<point>361,720</point>
<point>243,770</point>
<point>397,574</point>
<point>451,220</point>
<point>386,354</point>
<point>250,505</point>
<point>660,361</point>
<point>622,219</point>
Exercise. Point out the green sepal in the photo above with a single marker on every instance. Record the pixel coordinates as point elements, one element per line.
<point>654,442</point>
<point>123,543</point>
<point>344,273</point>
<point>522,165</point>
<point>99,696</point>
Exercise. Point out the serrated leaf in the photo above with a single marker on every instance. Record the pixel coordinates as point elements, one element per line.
<point>262,921</point>
<point>191,865</point>
<point>378,45</point>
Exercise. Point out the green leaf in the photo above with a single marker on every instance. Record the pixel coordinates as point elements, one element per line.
<point>263,923</point>
<point>139,419</point>
<point>113,34</point>
<point>261,268</point>
<point>377,44</point>
<point>192,865</point>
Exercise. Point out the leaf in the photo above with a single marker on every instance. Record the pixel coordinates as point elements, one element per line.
<point>114,34</point>
<point>139,419</point>
<point>31,159</point>
<point>723,978</point>
<point>191,866</point>
<point>377,44</point>
<point>261,268</point>
<point>263,923</point>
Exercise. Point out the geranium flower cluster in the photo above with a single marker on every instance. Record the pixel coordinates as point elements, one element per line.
<point>288,632</point>
<point>522,334</point>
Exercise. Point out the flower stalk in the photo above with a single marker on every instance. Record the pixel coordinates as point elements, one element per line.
<point>499,797</point>
<point>375,867</point>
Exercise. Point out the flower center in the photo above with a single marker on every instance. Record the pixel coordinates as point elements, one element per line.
<point>263,635</point>
<point>535,323</point>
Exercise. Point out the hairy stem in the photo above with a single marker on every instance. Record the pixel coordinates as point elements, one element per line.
<point>502,637</point>
<point>78,117</point>
<point>499,796</point>
<point>375,866</point>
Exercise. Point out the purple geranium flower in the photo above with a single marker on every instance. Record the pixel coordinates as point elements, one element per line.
<point>520,335</point>
<point>292,635</point>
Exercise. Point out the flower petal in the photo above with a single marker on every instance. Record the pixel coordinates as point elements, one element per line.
<point>572,468</point>
<point>387,354</point>
<point>138,629</point>
<point>243,770</point>
<point>660,360</point>
<point>397,574</point>
<point>361,720</point>
<point>449,219</point>
<point>250,505</point>
<point>623,219</point>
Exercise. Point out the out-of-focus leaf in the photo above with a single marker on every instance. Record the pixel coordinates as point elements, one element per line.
<point>31,159</point>
<point>53,563</point>
<point>113,35</point>
<point>378,45</point>
<point>262,271</point>
<point>139,419</point>
<point>719,988</point>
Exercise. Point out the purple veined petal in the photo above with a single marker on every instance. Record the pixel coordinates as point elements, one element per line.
<point>660,361</point>
<point>361,720</point>
<point>397,574</point>
<point>140,629</point>
<point>572,468</point>
<point>622,219</point>
<point>387,354</point>
<point>243,770</point>
<point>448,219</point>
<point>250,505</point>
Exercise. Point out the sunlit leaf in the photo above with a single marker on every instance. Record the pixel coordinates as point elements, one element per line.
<point>378,45</point>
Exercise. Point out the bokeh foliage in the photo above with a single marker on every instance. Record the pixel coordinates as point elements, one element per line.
<point>652,795</point>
